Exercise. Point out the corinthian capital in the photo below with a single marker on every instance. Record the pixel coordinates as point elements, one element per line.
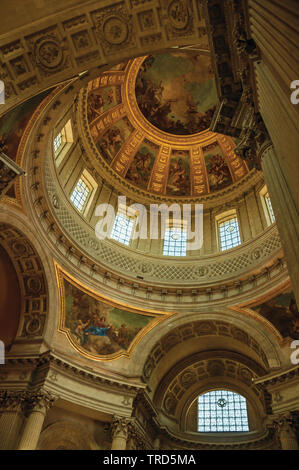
<point>120,426</point>
<point>11,400</point>
<point>40,400</point>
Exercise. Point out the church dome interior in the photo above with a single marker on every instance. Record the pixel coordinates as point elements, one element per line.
<point>149,265</point>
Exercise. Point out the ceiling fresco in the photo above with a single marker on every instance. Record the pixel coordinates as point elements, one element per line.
<point>177,92</point>
<point>149,120</point>
<point>279,308</point>
<point>282,311</point>
<point>96,327</point>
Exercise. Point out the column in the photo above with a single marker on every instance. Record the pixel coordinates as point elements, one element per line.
<point>285,211</point>
<point>37,406</point>
<point>274,26</point>
<point>11,418</point>
<point>119,429</point>
<point>286,433</point>
<point>157,443</point>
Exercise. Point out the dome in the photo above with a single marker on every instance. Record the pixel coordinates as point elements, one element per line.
<point>149,123</point>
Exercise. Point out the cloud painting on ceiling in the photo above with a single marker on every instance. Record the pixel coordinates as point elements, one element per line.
<point>176,92</point>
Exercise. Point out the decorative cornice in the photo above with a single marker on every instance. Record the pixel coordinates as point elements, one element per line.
<point>50,359</point>
<point>9,171</point>
<point>278,378</point>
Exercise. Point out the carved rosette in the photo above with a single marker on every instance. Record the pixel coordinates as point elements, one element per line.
<point>179,15</point>
<point>114,29</point>
<point>48,52</point>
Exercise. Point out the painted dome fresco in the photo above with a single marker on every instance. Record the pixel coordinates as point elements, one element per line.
<point>148,124</point>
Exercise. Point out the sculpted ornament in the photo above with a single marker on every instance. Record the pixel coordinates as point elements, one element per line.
<point>178,14</point>
<point>11,400</point>
<point>40,400</point>
<point>114,28</point>
<point>119,426</point>
<point>48,52</point>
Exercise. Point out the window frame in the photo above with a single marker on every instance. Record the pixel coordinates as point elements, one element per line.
<point>222,218</point>
<point>91,184</point>
<point>67,140</point>
<point>175,225</point>
<point>210,415</point>
<point>122,212</point>
<point>269,213</point>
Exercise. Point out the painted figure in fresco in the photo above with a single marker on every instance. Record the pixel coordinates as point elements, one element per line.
<point>98,102</point>
<point>160,108</point>
<point>218,170</point>
<point>95,105</point>
<point>178,180</point>
<point>285,319</point>
<point>97,326</point>
<point>80,331</point>
<point>140,168</point>
<point>111,143</point>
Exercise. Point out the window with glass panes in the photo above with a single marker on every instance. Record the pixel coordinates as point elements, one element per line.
<point>80,195</point>
<point>229,234</point>
<point>59,141</point>
<point>222,411</point>
<point>175,242</point>
<point>122,228</point>
<point>269,207</point>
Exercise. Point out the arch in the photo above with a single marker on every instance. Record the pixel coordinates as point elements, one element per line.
<point>10,299</point>
<point>142,357</point>
<point>33,273</point>
<point>65,435</point>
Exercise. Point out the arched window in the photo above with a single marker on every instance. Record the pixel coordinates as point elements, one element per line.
<point>122,228</point>
<point>62,142</point>
<point>83,192</point>
<point>222,411</point>
<point>267,205</point>
<point>228,231</point>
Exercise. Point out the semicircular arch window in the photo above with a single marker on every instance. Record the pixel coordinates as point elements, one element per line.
<point>222,411</point>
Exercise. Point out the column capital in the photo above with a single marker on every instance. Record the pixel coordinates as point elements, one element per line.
<point>12,400</point>
<point>119,426</point>
<point>255,140</point>
<point>39,400</point>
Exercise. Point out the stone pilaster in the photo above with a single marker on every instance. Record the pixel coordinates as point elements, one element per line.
<point>11,404</point>
<point>37,405</point>
<point>284,425</point>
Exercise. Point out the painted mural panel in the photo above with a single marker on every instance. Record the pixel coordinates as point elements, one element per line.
<point>176,92</point>
<point>113,139</point>
<point>217,169</point>
<point>98,327</point>
<point>101,100</point>
<point>13,124</point>
<point>142,164</point>
<point>179,174</point>
<point>282,311</point>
